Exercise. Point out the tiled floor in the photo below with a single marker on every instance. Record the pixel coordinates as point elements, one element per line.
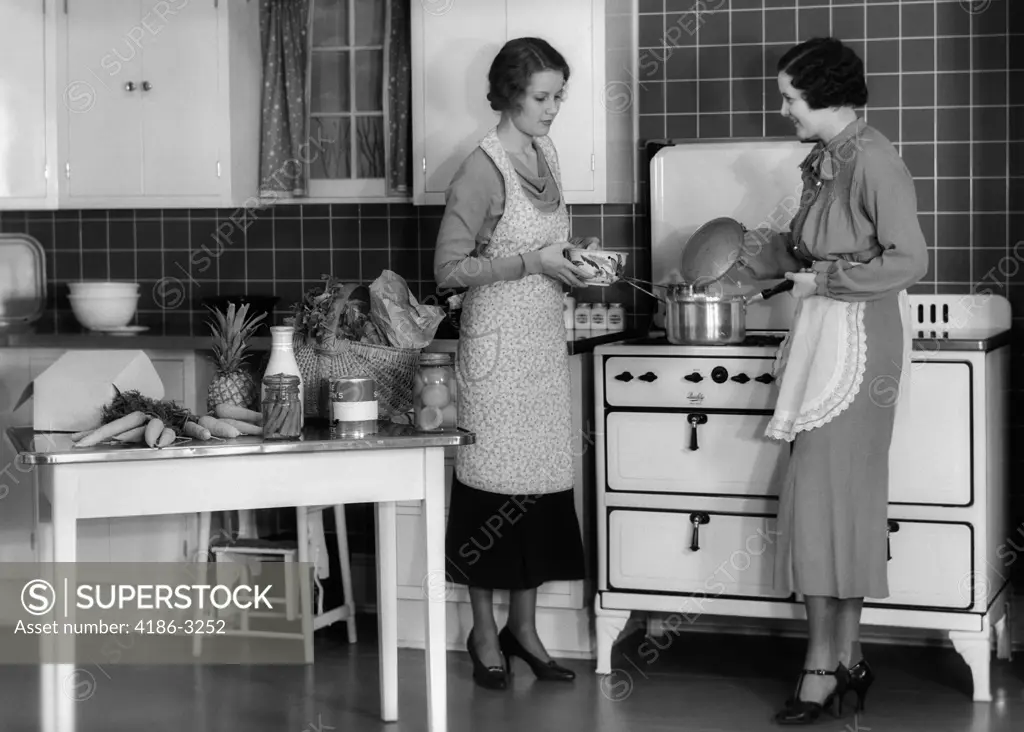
<point>702,683</point>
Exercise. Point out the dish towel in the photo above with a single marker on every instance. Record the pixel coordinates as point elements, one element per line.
<point>819,366</point>
<point>821,374</point>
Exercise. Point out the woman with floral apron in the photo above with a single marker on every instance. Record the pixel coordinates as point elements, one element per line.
<point>854,248</point>
<point>512,521</point>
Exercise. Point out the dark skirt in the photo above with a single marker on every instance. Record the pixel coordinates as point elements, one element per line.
<point>511,542</point>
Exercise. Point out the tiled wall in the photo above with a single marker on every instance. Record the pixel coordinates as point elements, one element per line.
<point>946,79</point>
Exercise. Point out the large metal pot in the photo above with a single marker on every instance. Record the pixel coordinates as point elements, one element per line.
<point>695,317</point>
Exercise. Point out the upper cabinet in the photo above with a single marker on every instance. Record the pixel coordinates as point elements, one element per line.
<point>28,101</point>
<point>164,109</point>
<point>453,45</point>
<point>129,103</point>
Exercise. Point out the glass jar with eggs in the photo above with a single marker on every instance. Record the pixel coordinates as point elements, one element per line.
<point>434,393</point>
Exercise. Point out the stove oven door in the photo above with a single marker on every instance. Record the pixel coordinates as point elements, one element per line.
<point>698,453</point>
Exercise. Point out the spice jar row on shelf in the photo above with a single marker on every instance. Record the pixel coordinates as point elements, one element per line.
<point>593,316</point>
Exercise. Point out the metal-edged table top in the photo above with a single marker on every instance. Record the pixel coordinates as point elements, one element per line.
<point>56,448</point>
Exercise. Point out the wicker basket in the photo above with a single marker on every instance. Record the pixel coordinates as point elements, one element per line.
<point>392,370</point>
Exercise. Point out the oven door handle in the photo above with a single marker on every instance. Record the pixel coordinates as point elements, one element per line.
<point>695,419</point>
<point>698,518</point>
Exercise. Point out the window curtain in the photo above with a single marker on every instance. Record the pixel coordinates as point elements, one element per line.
<point>398,98</point>
<point>283,152</point>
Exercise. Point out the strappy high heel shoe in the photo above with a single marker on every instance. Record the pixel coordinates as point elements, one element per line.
<point>861,679</point>
<point>549,671</point>
<point>489,677</point>
<point>808,712</point>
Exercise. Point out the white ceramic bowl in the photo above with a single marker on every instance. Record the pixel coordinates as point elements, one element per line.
<point>103,288</point>
<point>104,312</point>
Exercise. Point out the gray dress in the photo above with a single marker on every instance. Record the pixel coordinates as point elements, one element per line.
<point>859,204</point>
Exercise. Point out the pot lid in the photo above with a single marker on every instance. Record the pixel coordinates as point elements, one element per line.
<point>712,250</point>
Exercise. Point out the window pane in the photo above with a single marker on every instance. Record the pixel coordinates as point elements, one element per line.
<point>370,22</point>
<point>330,23</point>
<point>333,136</point>
<point>369,81</point>
<point>370,145</point>
<point>329,88</point>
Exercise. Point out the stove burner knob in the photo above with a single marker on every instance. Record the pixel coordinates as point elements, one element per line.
<point>741,378</point>
<point>765,378</point>
<point>648,377</point>
<point>694,377</point>
<point>719,375</point>
<point>625,376</point>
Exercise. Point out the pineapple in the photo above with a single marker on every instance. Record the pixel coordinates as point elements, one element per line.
<point>232,384</point>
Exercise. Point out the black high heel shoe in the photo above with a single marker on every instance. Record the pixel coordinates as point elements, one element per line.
<point>549,671</point>
<point>807,712</point>
<point>489,677</point>
<point>861,679</point>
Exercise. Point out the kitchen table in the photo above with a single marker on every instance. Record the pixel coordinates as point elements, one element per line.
<point>398,463</point>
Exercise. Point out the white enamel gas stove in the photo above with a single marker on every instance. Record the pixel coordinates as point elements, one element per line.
<point>688,484</point>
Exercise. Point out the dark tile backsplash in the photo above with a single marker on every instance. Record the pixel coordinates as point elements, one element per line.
<point>946,85</point>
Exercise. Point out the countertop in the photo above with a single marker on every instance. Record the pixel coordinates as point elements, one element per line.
<point>581,342</point>
<point>55,448</point>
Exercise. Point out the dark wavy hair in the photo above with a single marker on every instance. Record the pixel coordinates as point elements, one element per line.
<point>516,62</point>
<point>828,73</point>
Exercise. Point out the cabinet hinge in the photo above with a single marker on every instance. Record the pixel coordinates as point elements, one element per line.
<point>218,169</point>
<point>184,547</point>
<point>67,170</point>
<point>424,165</point>
<point>593,162</point>
<point>46,172</point>
<point>65,7</point>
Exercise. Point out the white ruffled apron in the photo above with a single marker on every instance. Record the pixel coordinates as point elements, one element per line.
<point>821,363</point>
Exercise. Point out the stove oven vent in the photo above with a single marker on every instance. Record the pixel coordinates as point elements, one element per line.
<point>946,316</point>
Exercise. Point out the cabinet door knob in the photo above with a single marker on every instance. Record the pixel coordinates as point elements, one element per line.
<point>891,528</point>
<point>697,519</point>
<point>146,86</point>
<point>129,86</point>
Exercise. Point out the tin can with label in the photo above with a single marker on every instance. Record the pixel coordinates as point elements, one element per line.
<point>353,405</point>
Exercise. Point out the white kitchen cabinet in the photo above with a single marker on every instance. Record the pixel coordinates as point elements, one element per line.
<point>594,132</point>
<point>28,105</point>
<point>163,106</point>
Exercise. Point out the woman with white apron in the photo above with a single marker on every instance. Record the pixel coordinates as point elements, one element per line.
<point>512,521</point>
<point>853,249</point>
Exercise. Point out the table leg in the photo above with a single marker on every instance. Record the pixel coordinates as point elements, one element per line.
<point>47,671</point>
<point>65,551</point>
<point>387,608</point>
<point>434,602</point>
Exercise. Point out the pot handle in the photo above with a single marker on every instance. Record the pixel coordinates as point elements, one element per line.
<point>781,287</point>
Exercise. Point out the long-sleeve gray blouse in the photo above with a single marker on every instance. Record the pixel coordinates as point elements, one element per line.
<point>474,203</point>
<point>865,210</point>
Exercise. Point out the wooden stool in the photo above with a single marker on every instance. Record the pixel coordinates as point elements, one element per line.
<point>247,544</point>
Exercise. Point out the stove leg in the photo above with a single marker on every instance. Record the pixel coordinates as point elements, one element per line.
<point>1004,639</point>
<point>976,649</point>
<point>608,625</point>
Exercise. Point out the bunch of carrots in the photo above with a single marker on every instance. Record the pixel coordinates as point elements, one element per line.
<point>133,418</point>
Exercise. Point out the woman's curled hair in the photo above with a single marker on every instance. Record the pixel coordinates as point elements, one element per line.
<point>829,73</point>
<point>514,66</point>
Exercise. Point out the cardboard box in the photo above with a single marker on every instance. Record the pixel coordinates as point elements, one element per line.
<point>70,395</point>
